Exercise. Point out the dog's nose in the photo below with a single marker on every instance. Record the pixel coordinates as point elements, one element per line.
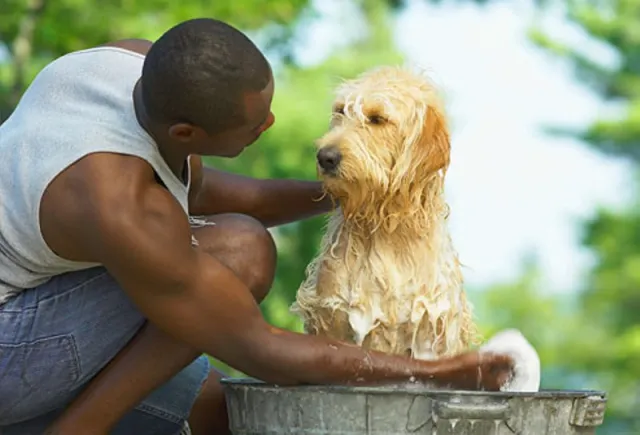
<point>329,158</point>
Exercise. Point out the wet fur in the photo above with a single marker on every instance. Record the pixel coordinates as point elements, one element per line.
<point>387,276</point>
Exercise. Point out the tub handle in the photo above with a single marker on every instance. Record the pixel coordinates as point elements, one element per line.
<point>588,411</point>
<point>472,411</point>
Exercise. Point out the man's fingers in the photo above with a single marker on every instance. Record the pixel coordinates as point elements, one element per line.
<point>499,370</point>
<point>502,364</point>
<point>476,371</point>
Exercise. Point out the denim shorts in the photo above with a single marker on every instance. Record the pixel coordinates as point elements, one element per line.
<point>54,338</point>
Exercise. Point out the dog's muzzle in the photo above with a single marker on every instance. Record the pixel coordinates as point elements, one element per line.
<point>329,159</point>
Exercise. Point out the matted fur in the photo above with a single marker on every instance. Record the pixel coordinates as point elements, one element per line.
<point>387,276</point>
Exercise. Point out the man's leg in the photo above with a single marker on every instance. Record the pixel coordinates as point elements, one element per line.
<point>152,358</point>
<point>54,338</point>
<point>257,270</point>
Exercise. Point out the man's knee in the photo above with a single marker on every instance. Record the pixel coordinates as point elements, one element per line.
<point>244,245</point>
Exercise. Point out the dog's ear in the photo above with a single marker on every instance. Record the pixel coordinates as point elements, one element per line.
<point>435,142</point>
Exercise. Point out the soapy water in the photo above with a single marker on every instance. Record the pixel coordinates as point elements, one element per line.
<point>511,342</point>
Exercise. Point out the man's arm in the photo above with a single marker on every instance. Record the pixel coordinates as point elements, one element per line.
<point>272,202</point>
<point>138,231</point>
<point>196,299</point>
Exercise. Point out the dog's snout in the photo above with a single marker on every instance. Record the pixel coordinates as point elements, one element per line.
<point>329,158</point>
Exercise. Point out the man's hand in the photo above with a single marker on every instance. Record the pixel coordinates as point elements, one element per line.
<point>478,370</point>
<point>272,202</point>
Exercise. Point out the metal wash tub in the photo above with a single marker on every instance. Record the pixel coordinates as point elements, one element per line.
<point>256,408</point>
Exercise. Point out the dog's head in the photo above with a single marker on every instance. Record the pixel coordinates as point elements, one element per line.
<point>388,142</point>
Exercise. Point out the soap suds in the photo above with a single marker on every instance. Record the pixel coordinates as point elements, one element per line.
<point>511,342</point>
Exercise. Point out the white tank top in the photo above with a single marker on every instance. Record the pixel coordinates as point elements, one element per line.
<point>77,105</point>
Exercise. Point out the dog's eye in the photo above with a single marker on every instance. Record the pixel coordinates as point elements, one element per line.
<point>338,110</point>
<point>376,119</point>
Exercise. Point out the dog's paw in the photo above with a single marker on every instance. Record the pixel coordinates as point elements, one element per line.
<point>526,368</point>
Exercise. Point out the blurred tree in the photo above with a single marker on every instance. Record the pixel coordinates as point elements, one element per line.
<point>522,304</point>
<point>34,32</point>
<point>566,340</point>
<point>37,31</point>
<point>608,341</point>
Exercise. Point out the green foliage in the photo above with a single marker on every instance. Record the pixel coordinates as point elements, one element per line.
<point>37,31</point>
<point>614,25</point>
<point>521,304</point>
<point>607,345</point>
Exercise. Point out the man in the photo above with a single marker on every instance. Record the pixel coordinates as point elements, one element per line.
<point>109,292</point>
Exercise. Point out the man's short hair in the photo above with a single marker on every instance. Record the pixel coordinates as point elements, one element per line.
<point>198,72</point>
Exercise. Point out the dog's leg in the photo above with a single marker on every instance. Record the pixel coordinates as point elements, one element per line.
<point>331,324</point>
<point>394,341</point>
<point>317,302</point>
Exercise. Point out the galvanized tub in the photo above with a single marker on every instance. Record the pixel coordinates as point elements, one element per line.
<point>256,408</point>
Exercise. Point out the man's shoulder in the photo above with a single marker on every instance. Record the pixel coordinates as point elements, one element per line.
<point>140,46</point>
<point>102,177</point>
<point>98,189</point>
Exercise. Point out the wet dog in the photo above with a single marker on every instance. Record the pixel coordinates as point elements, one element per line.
<point>387,276</point>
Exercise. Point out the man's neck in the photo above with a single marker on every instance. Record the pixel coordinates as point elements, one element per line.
<point>176,159</point>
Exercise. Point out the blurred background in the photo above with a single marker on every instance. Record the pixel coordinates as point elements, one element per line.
<point>544,100</point>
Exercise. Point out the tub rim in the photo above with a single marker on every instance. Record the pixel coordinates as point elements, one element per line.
<point>412,390</point>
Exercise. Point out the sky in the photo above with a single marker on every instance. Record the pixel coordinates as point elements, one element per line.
<point>513,189</point>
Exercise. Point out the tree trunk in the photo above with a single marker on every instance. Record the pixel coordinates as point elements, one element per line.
<point>21,50</point>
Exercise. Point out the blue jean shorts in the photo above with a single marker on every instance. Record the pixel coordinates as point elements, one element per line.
<point>56,337</point>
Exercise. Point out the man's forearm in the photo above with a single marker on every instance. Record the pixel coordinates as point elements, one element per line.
<point>289,358</point>
<point>272,202</point>
<point>285,201</point>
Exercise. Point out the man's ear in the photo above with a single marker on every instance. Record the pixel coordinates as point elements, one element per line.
<point>183,132</point>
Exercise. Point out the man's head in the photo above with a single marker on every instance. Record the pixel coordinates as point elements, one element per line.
<point>207,88</point>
